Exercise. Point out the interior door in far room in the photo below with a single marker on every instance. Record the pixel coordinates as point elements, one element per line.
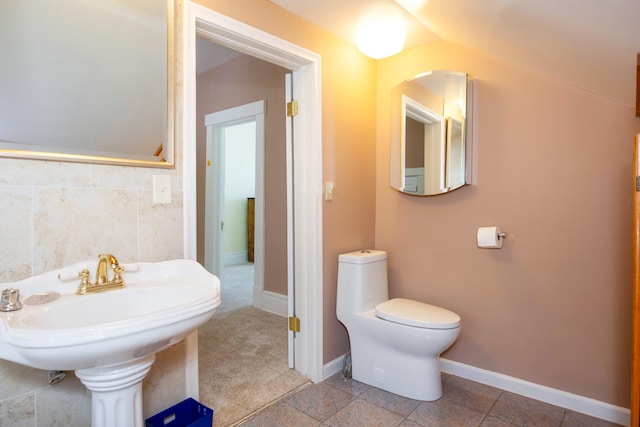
<point>235,153</point>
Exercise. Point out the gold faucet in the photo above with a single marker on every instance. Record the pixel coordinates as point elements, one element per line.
<point>102,283</point>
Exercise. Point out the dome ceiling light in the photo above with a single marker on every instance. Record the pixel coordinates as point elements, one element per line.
<point>380,37</point>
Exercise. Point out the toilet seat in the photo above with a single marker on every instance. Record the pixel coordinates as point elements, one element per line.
<point>417,314</point>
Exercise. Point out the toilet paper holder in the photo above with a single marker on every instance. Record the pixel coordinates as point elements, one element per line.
<point>490,237</point>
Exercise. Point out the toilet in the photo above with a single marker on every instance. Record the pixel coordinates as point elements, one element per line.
<point>395,343</point>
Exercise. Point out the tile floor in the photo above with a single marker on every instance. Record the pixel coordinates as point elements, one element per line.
<point>336,402</point>
<point>339,402</point>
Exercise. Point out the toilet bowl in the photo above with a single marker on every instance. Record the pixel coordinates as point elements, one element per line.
<point>395,343</point>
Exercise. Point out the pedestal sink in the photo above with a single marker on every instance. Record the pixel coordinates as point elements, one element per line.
<point>109,338</point>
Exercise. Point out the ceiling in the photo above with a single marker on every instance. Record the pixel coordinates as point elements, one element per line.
<point>591,44</point>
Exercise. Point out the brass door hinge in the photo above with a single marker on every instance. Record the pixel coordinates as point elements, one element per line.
<point>292,108</point>
<point>294,324</point>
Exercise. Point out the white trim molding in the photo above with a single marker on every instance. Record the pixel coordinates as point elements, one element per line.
<point>563,399</point>
<point>235,258</point>
<point>574,402</point>
<point>332,367</point>
<point>271,302</point>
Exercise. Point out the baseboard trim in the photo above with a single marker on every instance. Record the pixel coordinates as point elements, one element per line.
<point>574,402</point>
<point>273,303</point>
<point>332,367</point>
<point>235,258</point>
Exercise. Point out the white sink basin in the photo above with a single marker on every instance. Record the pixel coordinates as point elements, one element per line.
<point>161,304</point>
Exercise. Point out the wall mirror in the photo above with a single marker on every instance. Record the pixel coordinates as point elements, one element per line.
<point>88,81</point>
<point>430,140</point>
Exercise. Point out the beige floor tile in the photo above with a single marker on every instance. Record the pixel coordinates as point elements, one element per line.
<point>280,415</point>
<point>522,411</point>
<point>319,401</point>
<point>495,422</point>
<point>349,385</point>
<point>391,402</point>
<point>445,413</point>
<point>362,413</point>
<point>574,419</point>
<point>471,394</point>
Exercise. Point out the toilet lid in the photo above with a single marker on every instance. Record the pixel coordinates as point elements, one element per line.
<point>418,314</point>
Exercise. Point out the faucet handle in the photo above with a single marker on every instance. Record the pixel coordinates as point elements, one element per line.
<point>10,300</point>
<point>117,269</point>
<point>84,275</point>
<point>84,282</point>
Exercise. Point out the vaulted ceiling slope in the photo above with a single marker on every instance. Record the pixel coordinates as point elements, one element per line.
<point>591,44</point>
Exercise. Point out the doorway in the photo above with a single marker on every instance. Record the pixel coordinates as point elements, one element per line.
<point>239,130</point>
<point>306,158</point>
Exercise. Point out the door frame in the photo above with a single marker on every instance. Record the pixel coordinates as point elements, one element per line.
<point>307,175</point>
<point>214,243</point>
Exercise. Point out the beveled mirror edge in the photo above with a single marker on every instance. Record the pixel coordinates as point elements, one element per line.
<point>470,175</point>
<point>101,159</point>
<point>8,150</point>
<point>174,17</point>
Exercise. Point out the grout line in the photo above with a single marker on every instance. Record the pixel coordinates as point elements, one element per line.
<point>490,409</point>
<point>564,414</point>
<point>273,402</point>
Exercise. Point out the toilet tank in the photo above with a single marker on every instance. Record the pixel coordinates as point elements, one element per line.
<point>362,282</point>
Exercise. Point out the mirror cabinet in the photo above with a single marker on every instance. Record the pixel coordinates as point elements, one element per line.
<point>430,133</point>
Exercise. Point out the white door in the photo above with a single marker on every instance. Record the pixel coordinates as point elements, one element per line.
<point>291,289</point>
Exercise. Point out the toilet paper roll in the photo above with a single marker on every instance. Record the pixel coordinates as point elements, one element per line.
<point>488,237</point>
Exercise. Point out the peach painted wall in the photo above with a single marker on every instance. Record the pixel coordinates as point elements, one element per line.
<point>348,142</point>
<point>238,82</point>
<point>554,168</point>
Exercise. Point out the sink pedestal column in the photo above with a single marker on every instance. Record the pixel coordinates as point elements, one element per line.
<point>116,392</point>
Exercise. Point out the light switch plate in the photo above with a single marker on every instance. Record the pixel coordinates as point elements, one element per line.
<point>161,189</point>
<point>328,190</point>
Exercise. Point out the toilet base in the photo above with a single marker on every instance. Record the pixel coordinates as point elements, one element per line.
<point>400,359</point>
<point>418,381</point>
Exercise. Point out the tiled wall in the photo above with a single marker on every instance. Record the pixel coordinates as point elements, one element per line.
<point>53,214</point>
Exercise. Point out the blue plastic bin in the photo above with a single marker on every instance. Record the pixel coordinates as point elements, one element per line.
<point>188,413</point>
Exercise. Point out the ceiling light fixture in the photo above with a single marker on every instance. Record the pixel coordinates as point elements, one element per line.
<point>381,37</point>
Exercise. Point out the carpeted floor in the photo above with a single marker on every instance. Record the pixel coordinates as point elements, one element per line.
<point>243,354</point>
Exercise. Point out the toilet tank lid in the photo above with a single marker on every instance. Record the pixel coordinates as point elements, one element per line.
<point>364,256</point>
<point>418,314</point>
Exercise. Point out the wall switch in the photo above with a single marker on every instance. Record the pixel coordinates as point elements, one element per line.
<point>161,189</point>
<point>328,190</point>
